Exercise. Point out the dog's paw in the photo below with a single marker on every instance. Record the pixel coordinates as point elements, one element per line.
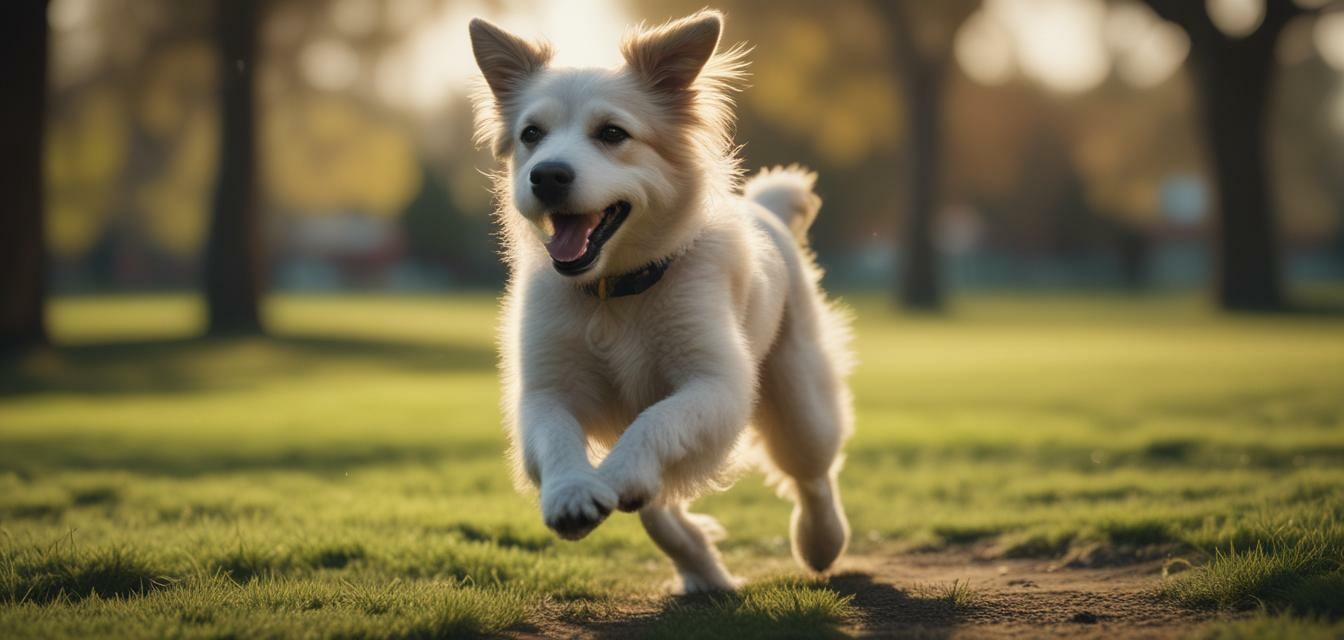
<point>636,485</point>
<point>574,505</point>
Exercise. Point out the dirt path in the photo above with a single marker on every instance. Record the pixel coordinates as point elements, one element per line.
<point>908,596</point>
<point>899,596</point>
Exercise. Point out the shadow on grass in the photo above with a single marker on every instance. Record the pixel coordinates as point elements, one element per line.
<point>845,605</point>
<point>1323,307</point>
<point>883,609</point>
<point>167,366</point>
<point>27,457</point>
<point>72,576</point>
<point>225,364</point>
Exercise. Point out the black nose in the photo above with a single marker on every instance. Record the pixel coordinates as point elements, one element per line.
<point>550,182</point>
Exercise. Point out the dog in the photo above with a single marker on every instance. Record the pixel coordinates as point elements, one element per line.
<point>663,324</point>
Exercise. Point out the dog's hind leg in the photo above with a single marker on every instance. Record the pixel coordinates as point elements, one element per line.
<point>688,539</point>
<point>803,417</point>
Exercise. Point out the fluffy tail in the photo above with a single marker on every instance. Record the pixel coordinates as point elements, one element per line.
<point>787,193</point>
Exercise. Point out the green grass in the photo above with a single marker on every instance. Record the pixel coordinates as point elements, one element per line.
<point>1272,626</point>
<point>345,478</point>
<point>780,608</point>
<point>1293,565</point>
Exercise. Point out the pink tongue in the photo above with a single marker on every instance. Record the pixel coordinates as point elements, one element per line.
<point>571,236</point>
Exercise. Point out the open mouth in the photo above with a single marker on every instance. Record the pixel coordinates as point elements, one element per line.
<point>578,238</point>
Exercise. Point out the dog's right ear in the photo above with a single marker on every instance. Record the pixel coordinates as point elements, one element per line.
<point>505,59</point>
<point>670,56</point>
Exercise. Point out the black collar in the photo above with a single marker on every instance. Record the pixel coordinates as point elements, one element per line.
<point>628,284</point>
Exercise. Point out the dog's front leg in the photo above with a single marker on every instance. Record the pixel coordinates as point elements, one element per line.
<point>700,422</point>
<point>574,499</point>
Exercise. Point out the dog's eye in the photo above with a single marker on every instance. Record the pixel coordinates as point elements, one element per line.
<point>531,135</point>
<point>611,134</point>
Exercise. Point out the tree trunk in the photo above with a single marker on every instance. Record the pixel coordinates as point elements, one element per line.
<point>922,65</point>
<point>1235,84</point>
<point>234,260</point>
<point>921,284</point>
<point>1234,77</point>
<point>1134,249</point>
<point>23,72</point>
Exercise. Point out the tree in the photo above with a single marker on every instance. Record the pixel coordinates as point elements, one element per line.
<point>234,258</point>
<point>23,72</point>
<point>1234,78</point>
<point>922,34</point>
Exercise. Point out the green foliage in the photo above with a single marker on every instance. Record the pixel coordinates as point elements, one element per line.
<point>346,478</point>
<point>439,234</point>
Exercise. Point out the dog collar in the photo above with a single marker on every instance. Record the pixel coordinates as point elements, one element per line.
<point>629,284</point>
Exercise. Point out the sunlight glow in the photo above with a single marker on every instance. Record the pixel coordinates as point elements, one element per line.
<point>330,64</point>
<point>1148,50</point>
<point>984,50</point>
<point>1057,41</point>
<point>1329,36</point>
<point>354,17</point>
<point>1069,46</point>
<point>435,62</point>
<point>1237,18</point>
<point>83,45</point>
<point>69,14</point>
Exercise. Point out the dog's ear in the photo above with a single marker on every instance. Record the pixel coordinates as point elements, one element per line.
<point>505,60</point>
<point>670,56</point>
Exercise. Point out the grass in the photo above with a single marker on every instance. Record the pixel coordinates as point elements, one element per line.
<point>345,479</point>
<point>955,595</point>
<point>311,607</point>
<point>779,607</point>
<point>1294,566</point>
<point>1275,626</point>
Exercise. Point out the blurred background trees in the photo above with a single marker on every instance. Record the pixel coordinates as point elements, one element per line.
<point>23,72</point>
<point>921,37</point>
<point>1019,144</point>
<point>234,254</point>
<point>1234,63</point>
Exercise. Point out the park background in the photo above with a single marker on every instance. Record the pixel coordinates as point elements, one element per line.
<point>1094,249</point>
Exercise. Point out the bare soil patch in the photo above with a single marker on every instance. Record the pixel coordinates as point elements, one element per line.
<point>898,596</point>
<point>912,596</point>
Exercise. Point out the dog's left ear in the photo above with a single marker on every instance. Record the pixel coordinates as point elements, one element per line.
<point>669,57</point>
<point>505,60</point>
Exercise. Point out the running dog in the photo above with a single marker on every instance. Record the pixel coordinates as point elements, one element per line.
<point>663,325</point>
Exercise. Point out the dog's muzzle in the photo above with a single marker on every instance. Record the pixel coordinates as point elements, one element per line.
<point>578,239</point>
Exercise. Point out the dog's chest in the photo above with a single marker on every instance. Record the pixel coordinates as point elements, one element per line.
<point>627,356</point>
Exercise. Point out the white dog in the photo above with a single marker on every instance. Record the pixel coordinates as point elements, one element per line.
<point>652,311</point>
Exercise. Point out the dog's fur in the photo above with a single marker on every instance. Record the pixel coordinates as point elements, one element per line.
<point>657,389</point>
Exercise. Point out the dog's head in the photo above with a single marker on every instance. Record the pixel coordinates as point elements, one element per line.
<point>612,168</point>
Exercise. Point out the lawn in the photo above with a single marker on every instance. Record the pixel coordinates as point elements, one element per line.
<point>344,478</point>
